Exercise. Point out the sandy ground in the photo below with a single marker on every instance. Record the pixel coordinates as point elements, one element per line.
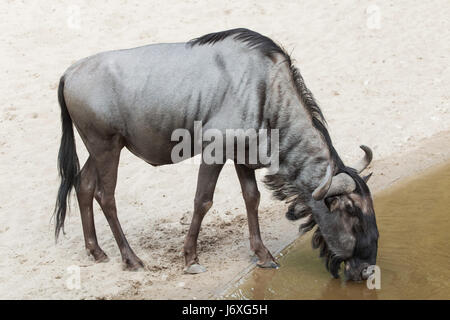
<point>379,72</point>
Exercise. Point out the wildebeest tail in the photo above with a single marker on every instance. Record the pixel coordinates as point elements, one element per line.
<point>68,165</point>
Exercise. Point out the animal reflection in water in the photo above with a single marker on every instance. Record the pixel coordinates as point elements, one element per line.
<point>232,79</point>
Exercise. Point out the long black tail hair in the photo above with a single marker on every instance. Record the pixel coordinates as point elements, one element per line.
<point>68,164</point>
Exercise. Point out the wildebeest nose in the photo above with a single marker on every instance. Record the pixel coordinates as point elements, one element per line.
<point>366,272</point>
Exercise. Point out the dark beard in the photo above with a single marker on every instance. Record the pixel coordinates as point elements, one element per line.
<point>332,261</point>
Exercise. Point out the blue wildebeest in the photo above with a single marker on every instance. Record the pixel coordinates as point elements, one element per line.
<point>238,78</point>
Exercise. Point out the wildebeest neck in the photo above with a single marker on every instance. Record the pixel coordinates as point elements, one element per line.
<point>303,151</point>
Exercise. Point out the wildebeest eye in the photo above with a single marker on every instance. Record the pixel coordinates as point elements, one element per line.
<point>349,208</point>
<point>328,201</point>
<point>331,203</point>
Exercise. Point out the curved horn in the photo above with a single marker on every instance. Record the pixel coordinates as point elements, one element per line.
<point>362,164</point>
<point>320,192</point>
<point>342,184</point>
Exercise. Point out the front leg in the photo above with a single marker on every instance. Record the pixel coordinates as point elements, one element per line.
<point>251,196</point>
<point>206,183</point>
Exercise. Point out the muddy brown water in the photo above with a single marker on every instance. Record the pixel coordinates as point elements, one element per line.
<point>414,251</point>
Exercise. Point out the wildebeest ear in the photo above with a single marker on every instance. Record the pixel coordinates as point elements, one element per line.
<point>366,178</point>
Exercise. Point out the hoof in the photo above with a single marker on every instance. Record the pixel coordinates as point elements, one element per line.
<point>102,259</point>
<point>132,265</point>
<point>194,269</point>
<point>269,264</point>
<point>98,255</point>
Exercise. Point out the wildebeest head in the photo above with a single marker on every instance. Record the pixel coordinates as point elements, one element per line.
<point>347,230</point>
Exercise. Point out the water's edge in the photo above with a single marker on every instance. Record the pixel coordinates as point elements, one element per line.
<point>295,241</point>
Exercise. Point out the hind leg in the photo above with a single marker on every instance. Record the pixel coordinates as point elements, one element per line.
<point>85,195</point>
<point>106,155</point>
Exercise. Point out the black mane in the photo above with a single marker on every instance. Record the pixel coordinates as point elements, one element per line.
<point>253,40</point>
